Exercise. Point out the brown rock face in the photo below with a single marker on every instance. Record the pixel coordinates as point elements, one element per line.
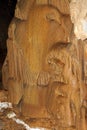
<point>45,68</point>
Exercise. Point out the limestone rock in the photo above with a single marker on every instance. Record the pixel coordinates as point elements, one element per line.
<point>62,5</point>
<point>78,13</point>
<point>41,2</point>
<point>3,96</point>
<point>22,8</point>
<point>2,124</point>
<point>44,69</point>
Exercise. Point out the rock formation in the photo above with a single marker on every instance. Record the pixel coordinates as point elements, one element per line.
<point>45,68</point>
<point>79,18</point>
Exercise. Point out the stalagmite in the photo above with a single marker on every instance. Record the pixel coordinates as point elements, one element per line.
<point>45,70</point>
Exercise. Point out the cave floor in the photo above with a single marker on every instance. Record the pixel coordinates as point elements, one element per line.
<point>9,124</point>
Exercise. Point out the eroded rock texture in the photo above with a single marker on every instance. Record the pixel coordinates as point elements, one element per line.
<point>79,18</point>
<point>45,68</point>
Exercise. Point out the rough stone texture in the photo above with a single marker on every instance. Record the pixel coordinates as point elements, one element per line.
<point>61,5</point>
<point>78,10</point>
<point>22,8</point>
<point>3,96</point>
<point>44,71</point>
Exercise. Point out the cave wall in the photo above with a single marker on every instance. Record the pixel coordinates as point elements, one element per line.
<point>78,13</point>
<point>45,68</point>
<point>6,14</point>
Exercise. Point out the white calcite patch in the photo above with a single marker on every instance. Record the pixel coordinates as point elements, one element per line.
<point>11,115</point>
<point>5,105</point>
<point>18,121</point>
<point>78,10</point>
